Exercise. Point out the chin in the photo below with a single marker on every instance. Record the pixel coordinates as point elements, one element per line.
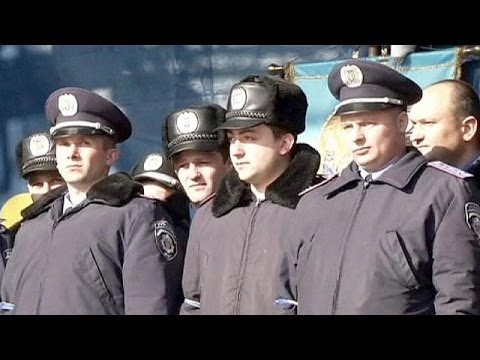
<point>244,177</point>
<point>196,197</point>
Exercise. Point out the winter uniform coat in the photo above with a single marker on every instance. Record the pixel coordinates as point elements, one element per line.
<point>406,243</point>
<point>114,253</point>
<point>236,244</point>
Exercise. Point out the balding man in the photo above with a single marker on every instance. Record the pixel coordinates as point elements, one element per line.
<point>446,125</point>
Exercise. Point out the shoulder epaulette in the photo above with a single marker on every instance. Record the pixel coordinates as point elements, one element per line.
<point>326,181</point>
<point>449,169</point>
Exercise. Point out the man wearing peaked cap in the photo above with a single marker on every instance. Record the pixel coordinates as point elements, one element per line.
<point>75,111</point>
<point>199,152</point>
<point>404,231</point>
<point>37,164</point>
<point>156,174</point>
<point>110,250</point>
<point>254,202</point>
<point>156,167</point>
<point>367,86</point>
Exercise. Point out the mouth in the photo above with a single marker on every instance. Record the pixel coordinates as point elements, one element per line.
<point>360,151</point>
<point>196,186</point>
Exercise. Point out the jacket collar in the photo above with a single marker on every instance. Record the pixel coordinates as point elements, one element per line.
<point>398,176</point>
<point>115,190</point>
<point>284,191</point>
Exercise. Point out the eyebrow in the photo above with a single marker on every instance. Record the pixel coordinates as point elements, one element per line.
<point>245,131</point>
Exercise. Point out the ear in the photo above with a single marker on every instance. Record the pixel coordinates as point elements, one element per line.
<point>112,156</point>
<point>403,121</point>
<point>469,128</point>
<point>286,143</point>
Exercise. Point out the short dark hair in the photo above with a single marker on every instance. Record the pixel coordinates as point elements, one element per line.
<point>278,132</point>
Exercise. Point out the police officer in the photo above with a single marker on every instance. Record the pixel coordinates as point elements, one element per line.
<point>35,156</point>
<point>199,153</point>
<point>37,164</point>
<point>392,233</point>
<point>237,238</point>
<point>446,125</point>
<point>156,174</point>
<point>98,247</point>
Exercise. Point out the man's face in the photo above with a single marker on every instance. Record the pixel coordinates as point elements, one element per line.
<point>82,160</point>
<point>200,172</point>
<point>40,182</point>
<point>376,137</point>
<point>436,133</point>
<point>256,155</point>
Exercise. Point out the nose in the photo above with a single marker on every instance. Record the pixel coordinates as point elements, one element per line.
<point>46,187</point>
<point>236,148</point>
<point>72,152</point>
<point>357,134</point>
<point>416,136</point>
<point>192,171</point>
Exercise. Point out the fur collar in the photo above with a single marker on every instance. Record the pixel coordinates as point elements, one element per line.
<point>116,190</point>
<point>284,191</point>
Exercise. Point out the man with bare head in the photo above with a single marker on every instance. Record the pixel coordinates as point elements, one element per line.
<point>446,125</point>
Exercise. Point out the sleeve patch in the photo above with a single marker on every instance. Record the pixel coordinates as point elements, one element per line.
<point>165,239</point>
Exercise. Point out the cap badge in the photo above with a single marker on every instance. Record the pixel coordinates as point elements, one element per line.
<point>39,145</point>
<point>153,162</point>
<point>187,122</point>
<point>238,99</point>
<point>351,75</point>
<point>68,104</point>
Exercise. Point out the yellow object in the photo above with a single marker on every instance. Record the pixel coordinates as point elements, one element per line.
<point>11,210</point>
<point>333,148</point>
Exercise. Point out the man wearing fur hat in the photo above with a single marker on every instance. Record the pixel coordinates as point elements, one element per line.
<point>236,239</point>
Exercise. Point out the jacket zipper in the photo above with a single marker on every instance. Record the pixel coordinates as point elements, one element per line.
<point>246,246</point>
<point>54,226</point>
<point>344,247</point>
